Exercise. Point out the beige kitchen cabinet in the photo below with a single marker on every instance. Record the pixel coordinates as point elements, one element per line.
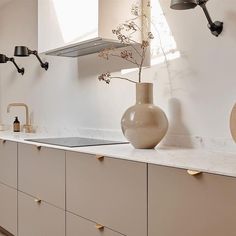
<point>8,163</point>
<point>8,209</point>
<point>39,218</point>
<point>76,226</point>
<point>109,191</point>
<point>181,205</point>
<point>42,173</point>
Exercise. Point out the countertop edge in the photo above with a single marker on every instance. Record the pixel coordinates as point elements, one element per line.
<point>202,160</point>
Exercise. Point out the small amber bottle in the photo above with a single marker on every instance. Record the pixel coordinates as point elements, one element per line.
<point>16,125</point>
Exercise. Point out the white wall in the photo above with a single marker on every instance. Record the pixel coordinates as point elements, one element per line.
<point>197,90</point>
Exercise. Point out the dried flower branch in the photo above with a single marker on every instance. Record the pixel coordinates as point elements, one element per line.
<point>105,53</point>
<point>106,77</point>
<point>124,33</point>
<point>135,10</point>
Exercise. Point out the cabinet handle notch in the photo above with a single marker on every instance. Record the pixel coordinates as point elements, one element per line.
<point>38,201</point>
<point>99,227</point>
<point>100,158</point>
<point>193,172</point>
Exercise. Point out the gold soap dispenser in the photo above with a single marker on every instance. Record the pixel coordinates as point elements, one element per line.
<point>16,125</point>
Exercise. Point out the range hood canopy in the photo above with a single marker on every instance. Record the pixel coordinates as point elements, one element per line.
<point>85,48</point>
<point>76,29</point>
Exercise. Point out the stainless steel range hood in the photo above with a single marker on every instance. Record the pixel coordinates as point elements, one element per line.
<point>77,28</point>
<point>85,48</point>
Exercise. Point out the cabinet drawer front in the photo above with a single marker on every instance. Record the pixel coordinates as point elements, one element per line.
<point>8,163</point>
<point>39,219</point>
<point>110,191</point>
<point>42,173</point>
<point>79,226</point>
<point>8,209</point>
<point>183,205</point>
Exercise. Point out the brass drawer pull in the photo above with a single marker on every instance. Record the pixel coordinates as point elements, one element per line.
<point>39,147</point>
<point>99,227</point>
<point>38,201</point>
<point>100,158</point>
<point>193,172</point>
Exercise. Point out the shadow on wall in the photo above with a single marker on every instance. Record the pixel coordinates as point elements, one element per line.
<point>92,65</point>
<point>230,16</point>
<point>57,29</point>
<point>163,49</point>
<point>12,76</point>
<point>176,123</point>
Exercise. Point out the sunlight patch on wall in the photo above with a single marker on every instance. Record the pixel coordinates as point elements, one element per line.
<point>163,46</point>
<point>69,14</point>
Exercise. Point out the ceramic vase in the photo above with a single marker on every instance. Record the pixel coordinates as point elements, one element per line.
<point>233,123</point>
<point>144,124</point>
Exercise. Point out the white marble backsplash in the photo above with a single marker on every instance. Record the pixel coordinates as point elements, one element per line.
<point>193,142</point>
<point>181,141</point>
<point>196,142</point>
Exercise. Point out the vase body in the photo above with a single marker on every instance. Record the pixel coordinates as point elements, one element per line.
<point>144,124</point>
<point>233,123</point>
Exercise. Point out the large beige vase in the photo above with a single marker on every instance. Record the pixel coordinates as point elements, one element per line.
<point>233,123</point>
<point>144,124</point>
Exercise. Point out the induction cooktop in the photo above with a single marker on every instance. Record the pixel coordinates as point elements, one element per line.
<point>75,142</point>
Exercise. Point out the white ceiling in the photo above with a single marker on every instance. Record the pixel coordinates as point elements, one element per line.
<point>3,2</point>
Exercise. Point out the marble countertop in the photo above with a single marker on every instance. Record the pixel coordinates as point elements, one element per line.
<point>221,163</point>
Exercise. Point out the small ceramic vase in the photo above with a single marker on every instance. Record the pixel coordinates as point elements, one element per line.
<point>144,124</point>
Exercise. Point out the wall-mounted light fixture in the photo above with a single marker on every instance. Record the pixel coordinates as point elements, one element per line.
<point>215,27</point>
<point>5,59</point>
<point>22,51</point>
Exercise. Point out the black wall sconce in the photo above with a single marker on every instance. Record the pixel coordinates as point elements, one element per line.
<point>22,51</point>
<point>215,27</point>
<point>5,59</point>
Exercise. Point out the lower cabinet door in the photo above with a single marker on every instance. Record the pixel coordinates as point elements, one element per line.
<point>181,204</point>
<point>41,172</point>
<point>37,218</point>
<point>76,226</point>
<point>8,163</point>
<point>106,190</point>
<point>8,209</point>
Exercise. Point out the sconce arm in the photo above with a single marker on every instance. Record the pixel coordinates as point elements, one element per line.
<point>215,27</point>
<point>44,65</point>
<point>20,70</point>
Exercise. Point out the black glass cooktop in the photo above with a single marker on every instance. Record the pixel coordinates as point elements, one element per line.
<point>75,142</point>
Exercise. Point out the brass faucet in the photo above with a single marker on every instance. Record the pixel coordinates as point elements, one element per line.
<point>27,127</point>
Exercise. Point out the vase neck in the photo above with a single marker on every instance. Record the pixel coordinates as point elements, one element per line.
<point>144,93</point>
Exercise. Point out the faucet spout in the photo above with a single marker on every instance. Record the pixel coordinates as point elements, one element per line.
<point>27,125</point>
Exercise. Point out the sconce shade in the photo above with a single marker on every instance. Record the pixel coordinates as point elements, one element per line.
<point>3,58</point>
<point>21,51</point>
<point>183,4</point>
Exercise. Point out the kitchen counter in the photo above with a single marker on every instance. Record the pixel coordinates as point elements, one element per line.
<point>195,159</point>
